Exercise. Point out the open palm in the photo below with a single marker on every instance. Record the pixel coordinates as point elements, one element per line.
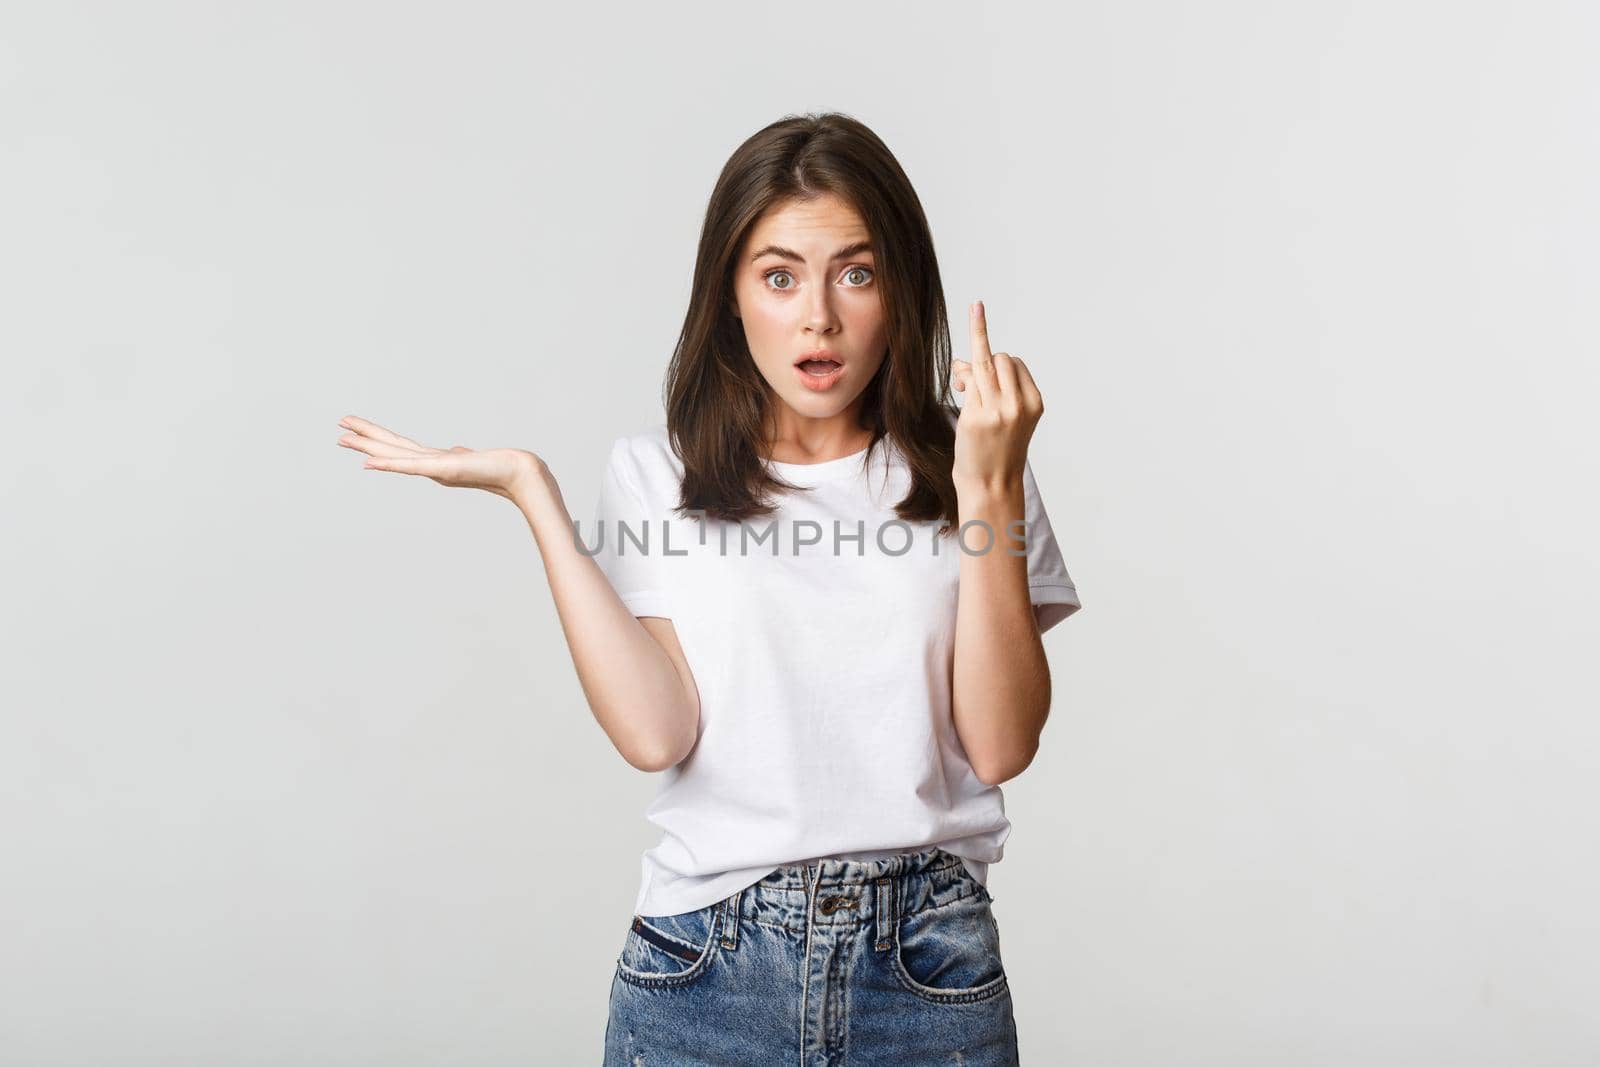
<point>495,470</point>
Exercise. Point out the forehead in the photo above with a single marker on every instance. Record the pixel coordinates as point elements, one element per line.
<point>827,220</point>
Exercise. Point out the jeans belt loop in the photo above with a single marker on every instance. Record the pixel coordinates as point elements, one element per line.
<point>883,914</point>
<point>730,920</point>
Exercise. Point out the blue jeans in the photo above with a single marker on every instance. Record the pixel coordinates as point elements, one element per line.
<point>835,963</point>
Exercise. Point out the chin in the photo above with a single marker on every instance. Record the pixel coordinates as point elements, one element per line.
<point>815,406</point>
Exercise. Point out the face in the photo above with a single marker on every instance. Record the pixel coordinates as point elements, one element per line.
<point>803,283</point>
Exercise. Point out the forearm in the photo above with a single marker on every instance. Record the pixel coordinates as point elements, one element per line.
<point>632,685</point>
<point>1000,689</point>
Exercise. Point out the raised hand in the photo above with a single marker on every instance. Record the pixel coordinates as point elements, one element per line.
<point>1003,406</point>
<point>500,471</point>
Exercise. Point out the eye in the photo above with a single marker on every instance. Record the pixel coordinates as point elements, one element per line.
<point>853,272</point>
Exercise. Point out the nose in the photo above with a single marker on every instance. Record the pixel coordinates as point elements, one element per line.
<point>819,312</point>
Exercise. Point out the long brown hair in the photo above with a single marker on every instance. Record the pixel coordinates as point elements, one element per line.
<point>715,397</point>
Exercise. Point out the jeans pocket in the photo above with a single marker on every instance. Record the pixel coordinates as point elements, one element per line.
<point>950,953</point>
<point>669,950</point>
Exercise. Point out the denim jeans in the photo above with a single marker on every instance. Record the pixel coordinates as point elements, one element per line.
<point>834,963</point>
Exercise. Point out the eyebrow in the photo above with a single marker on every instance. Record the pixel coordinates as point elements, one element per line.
<point>789,253</point>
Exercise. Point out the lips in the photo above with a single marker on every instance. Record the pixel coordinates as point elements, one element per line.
<point>818,371</point>
<point>818,361</point>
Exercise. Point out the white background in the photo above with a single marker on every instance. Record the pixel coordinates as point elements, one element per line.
<point>294,763</point>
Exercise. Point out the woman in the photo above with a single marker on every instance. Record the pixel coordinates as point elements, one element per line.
<point>770,617</point>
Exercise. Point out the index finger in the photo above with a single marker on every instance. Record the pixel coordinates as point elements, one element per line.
<point>378,433</point>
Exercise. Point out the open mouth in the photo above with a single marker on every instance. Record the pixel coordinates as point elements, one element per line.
<point>819,368</point>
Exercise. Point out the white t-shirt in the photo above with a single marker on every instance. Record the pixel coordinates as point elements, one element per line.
<point>824,675</point>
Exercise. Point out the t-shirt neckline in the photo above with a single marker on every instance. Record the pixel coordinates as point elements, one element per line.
<point>814,473</point>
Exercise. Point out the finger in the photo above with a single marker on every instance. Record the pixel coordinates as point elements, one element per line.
<point>982,358</point>
<point>960,371</point>
<point>980,332</point>
<point>1030,391</point>
<point>373,447</point>
<point>378,433</point>
<point>1007,392</point>
<point>430,466</point>
<point>962,379</point>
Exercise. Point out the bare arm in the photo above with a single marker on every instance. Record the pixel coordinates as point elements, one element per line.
<point>1000,687</point>
<point>632,670</point>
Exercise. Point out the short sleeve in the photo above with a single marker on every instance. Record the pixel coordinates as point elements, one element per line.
<point>623,522</point>
<point>1050,587</point>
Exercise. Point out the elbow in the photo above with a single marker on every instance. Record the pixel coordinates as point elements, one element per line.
<point>996,774</point>
<point>655,757</point>
<point>650,764</point>
<point>656,742</point>
<point>993,772</point>
<point>652,758</point>
<point>1008,757</point>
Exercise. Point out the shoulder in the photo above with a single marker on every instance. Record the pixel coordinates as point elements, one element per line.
<point>646,458</point>
<point>649,445</point>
